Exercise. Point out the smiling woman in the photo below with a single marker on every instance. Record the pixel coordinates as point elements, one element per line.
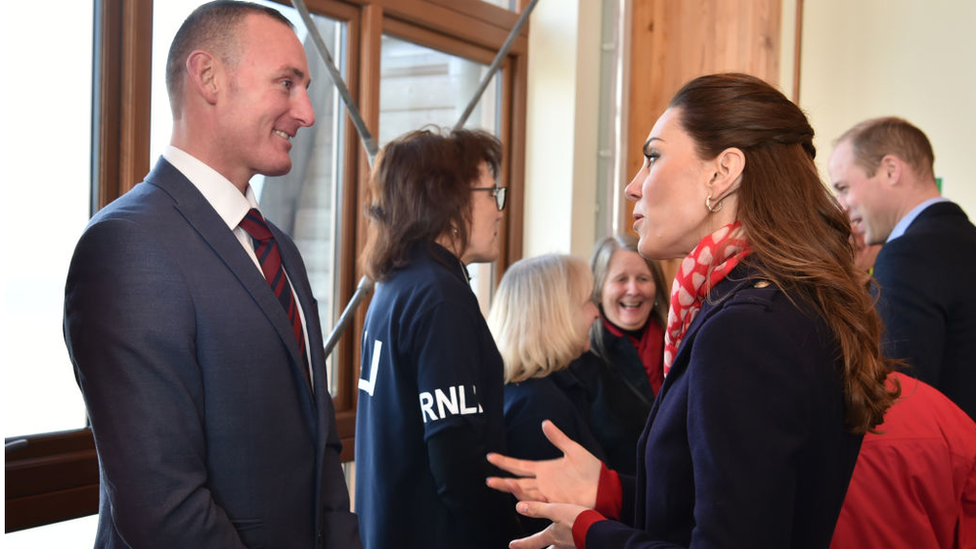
<point>623,370</point>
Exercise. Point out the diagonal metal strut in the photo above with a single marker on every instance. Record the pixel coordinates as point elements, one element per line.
<point>496,63</point>
<point>369,143</point>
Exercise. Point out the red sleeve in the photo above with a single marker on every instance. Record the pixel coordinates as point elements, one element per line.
<point>582,525</point>
<point>609,498</point>
<point>609,494</point>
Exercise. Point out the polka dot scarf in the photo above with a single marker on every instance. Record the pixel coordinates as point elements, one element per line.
<point>714,257</point>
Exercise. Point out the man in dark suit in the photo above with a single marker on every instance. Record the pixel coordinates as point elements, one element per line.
<point>882,172</point>
<point>206,386</point>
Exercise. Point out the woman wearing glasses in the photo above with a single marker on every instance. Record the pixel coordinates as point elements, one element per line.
<point>431,381</point>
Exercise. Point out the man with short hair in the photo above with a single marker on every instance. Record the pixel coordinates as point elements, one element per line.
<point>191,323</point>
<point>882,172</point>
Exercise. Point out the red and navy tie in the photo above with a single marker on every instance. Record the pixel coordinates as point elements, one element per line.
<point>266,249</point>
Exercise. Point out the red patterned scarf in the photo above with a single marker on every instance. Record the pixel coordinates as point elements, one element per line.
<point>714,257</point>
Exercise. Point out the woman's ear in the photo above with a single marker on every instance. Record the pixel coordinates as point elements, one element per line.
<point>728,167</point>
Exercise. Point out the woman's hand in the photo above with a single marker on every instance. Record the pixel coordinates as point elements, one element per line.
<point>558,534</point>
<point>572,478</point>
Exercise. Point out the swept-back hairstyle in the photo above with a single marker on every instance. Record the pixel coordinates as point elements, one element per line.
<point>214,27</point>
<point>534,312</point>
<point>420,189</point>
<point>600,263</point>
<point>872,139</point>
<point>801,240</point>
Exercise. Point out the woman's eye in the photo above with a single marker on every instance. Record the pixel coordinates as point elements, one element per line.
<point>651,157</point>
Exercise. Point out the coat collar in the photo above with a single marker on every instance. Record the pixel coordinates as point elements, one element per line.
<point>728,290</point>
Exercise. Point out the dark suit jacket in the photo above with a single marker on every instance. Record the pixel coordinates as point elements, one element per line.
<point>746,444</point>
<point>206,432</point>
<point>927,299</point>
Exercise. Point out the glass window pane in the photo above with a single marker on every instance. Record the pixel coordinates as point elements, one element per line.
<point>421,86</point>
<point>48,206</point>
<point>79,532</point>
<point>301,203</point>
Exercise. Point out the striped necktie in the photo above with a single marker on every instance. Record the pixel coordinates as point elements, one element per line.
<point>266,249</point>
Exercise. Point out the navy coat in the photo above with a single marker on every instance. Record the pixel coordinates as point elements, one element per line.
<point>746,444</point>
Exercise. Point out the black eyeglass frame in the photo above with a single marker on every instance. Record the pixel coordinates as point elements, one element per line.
<point>499,193</point>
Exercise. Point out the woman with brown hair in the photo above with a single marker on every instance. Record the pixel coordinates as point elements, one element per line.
<point>431,379</point>
<point>773,360</point>
<point>623,369</point>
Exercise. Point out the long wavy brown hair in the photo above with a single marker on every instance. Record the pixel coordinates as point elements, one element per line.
<point>420,189</point>
<point>801,240</point>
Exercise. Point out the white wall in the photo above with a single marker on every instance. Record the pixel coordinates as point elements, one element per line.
<point>561,127</point>
<point>859,59</point>
<point>866,58</point>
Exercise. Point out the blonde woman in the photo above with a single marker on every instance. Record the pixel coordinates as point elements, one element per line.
<point>540,318</point>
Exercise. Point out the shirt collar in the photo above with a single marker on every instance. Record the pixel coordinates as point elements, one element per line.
<point>904,222</point>
<point>443,256</point>
<point>222,195</point>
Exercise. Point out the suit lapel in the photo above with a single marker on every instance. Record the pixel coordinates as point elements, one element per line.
<point>211,228</point>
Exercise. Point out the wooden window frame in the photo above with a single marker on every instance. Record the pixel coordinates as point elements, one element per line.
<point>55,476</point>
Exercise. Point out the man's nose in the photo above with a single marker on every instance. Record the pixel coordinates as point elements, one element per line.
<point>302,110</point>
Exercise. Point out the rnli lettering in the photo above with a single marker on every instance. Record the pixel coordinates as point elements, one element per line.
<point>453,402</point>
<point>369,385</point>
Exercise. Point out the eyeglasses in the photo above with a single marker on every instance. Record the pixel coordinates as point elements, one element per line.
<point>497,192</point>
